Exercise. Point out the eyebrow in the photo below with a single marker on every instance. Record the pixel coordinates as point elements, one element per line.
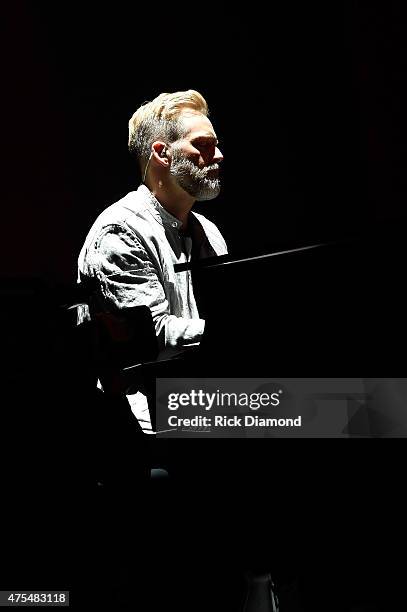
<point>206,135</point>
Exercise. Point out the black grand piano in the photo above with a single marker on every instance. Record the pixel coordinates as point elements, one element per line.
<point>333,308</point>
<point>323,309</point>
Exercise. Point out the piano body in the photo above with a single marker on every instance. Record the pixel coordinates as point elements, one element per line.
<point>329,309</point>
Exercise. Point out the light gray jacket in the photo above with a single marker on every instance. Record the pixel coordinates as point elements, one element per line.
<point>132,248</point>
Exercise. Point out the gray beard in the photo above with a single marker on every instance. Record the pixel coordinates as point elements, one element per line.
<point>193,179</point>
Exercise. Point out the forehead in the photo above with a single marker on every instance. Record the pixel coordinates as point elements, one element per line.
<point>197,125</point>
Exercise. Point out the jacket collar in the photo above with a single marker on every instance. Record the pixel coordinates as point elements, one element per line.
<point>159,212</point>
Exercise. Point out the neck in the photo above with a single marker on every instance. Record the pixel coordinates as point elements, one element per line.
<point>174,199</point>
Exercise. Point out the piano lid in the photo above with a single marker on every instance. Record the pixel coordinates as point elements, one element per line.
<point>223,260</point>
<point>380,236</point>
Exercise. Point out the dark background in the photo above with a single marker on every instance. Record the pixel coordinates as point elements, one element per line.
<point>307,100</point>
<point>309,106</point>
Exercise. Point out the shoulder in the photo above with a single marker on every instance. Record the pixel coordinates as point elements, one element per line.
<point>128,215</point>
<point>129,207</point>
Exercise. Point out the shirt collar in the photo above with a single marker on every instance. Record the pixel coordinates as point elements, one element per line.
<point>159,212</point>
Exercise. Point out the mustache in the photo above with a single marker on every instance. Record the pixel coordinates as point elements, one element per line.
<point>202,173</point>
<point>212,168</point>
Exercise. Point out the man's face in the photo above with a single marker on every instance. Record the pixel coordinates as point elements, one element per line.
<point>196,157</point>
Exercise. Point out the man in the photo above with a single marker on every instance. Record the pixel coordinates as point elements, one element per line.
<point>133,245</point>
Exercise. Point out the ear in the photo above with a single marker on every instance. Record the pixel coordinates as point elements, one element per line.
<point>159,152</point>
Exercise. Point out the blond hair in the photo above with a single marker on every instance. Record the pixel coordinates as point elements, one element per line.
<point>161,119</point>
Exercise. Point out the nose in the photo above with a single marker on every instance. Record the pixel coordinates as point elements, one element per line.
<point>218,157</point>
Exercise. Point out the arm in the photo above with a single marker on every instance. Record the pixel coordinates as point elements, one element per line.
<point>130,275</point>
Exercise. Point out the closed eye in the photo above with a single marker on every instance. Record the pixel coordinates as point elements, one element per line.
<point>205,143</point>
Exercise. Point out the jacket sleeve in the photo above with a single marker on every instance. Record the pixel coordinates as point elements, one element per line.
<point>129,276</point>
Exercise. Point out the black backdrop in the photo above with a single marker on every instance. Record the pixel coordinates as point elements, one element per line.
<point>308,103</point>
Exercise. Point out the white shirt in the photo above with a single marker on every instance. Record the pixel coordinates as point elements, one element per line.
<point>132,248</point>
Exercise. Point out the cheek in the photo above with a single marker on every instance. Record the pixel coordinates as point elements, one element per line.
<point>207,157</point>
<point>191,154</point>
<point>197,160</point>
